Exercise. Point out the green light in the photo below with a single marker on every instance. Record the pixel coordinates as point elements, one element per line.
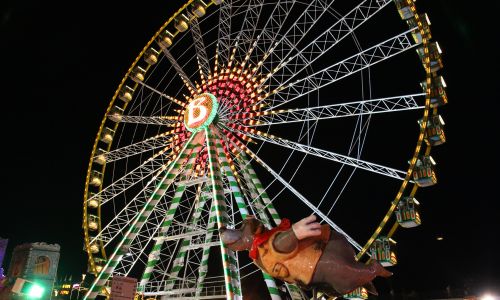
<point>32,290</point>
<point>35,291</point>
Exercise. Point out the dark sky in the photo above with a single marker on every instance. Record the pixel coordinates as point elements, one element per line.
<point>61,63</point>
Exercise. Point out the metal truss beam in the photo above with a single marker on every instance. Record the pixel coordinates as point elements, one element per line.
<point>223,40</point>
<point>346,160</point>
<point>201,53</point>
<point>342,69</point>
<point>148,120</point>
<point>179,70</point>
<point>246,34</point>
<point>303,199</point>
<point>148,144</point>
<point>350,109</point>
<point>344,27</point>
<point>290,39</point>
<point>153,165</point>
<point>269,33</point>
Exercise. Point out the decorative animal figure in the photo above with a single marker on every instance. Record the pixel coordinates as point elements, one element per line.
<point>308,254</point>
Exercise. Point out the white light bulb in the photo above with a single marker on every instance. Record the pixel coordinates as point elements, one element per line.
<point>488,297</point>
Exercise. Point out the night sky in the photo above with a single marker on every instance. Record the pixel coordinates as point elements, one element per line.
<point>61,63</point>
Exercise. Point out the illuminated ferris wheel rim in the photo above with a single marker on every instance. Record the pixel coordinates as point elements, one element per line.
<point>266,138</point>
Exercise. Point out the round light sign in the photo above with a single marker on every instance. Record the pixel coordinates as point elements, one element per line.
<point>200,112</point>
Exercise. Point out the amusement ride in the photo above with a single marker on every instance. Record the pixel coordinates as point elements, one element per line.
<point>263,108</point>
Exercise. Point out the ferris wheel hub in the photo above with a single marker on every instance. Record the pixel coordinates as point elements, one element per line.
<point>200,112</point>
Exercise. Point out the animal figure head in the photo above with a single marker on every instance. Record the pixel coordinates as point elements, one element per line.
<point>241,238</point>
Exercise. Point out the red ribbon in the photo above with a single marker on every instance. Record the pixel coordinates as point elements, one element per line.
<point>260,238</point>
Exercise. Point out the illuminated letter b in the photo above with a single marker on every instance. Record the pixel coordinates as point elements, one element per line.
<point>196,106</point>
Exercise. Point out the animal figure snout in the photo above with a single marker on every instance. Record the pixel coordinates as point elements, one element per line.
<point>229,236</point>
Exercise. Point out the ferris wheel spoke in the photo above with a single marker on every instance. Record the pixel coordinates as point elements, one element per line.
<point>346,160</point>
<point>344,27</point>
<point>122,218</point>
<point>351,65</point>
<point>149,167</point>
<point>201,53</point>
<point>244,167</point>
<point>224,34</point>
<point>187,82</point>
<point>152,143</point>
<point>302,198</point>
<point>129,210</point>
<point>175,66</point>
<point>119,223</point>
<point>161,94</point>
<point>246,35</point>
<point>149,120</point>
<point>298,30</point>
<point>269,32</point>
<point>357,141</point>
<point>228,9</point>
<point>349,109</point>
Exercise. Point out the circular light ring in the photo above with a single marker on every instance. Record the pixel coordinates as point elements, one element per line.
<point>200,112</point>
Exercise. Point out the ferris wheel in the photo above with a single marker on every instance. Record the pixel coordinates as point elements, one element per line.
<point>237,108</point>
